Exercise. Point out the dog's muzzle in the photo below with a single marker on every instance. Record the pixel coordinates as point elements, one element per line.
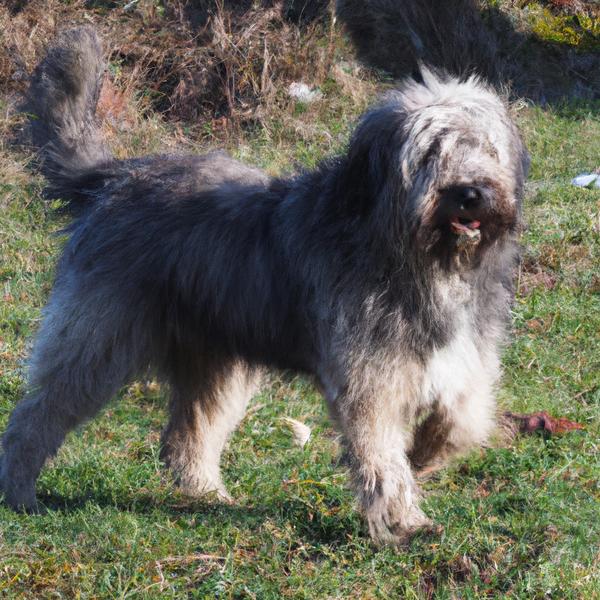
<point>464,208</point>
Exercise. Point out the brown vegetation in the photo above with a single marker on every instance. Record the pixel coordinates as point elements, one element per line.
<point>189,61</point>
<point>219,64</point>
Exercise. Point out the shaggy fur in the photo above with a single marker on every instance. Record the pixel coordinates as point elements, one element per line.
<point>385,274</point>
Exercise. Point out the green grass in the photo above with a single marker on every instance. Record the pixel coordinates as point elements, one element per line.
<point>518,522</point>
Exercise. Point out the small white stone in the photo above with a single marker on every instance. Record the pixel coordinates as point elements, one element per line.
<point>301,92</point>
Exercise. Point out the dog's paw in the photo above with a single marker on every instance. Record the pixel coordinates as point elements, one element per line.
<point>20,496</point>
<point>204,488</point>
<point>22,503</point>
<point>391,524</point>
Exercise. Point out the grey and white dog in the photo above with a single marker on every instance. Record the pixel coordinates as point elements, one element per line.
<point>385,274</point>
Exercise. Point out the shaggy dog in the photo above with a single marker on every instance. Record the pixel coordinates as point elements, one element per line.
<point>385,274</point>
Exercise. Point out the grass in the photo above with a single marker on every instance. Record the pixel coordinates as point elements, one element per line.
<point>518,522</point>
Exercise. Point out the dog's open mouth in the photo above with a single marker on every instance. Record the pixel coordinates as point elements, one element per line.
<point>462,226</point>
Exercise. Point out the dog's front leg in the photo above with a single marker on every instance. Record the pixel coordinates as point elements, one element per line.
<point>376,444</point>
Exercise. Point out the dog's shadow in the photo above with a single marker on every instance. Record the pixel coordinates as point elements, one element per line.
<point>311,526</point>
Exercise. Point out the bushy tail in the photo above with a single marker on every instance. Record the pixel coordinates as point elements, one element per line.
<point>61,102</point>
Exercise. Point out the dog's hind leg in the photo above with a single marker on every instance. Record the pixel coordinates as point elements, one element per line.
<point>202,419</point>
<point>76,368</point>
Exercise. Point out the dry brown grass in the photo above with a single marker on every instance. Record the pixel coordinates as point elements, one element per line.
<point>13,170</point>
<point>222,62</point>
<point>202,74</point>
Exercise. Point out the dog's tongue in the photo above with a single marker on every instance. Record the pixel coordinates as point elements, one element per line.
<point>470,228</point>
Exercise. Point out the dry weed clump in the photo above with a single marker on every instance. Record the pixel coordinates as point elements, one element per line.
<point>220,61</point>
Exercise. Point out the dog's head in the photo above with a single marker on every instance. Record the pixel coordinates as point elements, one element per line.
<point>439,165</point>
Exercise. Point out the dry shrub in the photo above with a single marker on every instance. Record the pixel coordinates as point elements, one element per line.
<point>23,34</point>
<point>242,59</point>
<point>192,61</point>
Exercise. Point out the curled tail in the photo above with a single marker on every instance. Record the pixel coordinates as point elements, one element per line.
<point>61,102</point>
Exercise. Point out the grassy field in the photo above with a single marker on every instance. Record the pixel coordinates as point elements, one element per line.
<point>519,521</point>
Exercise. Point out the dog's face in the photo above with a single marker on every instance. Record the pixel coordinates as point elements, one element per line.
<point>463,168</point>
<point>446,158</point>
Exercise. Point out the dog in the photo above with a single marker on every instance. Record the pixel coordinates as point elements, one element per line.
<point>385,274</point>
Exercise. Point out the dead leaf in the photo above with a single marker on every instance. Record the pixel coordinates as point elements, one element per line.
<point>541,421</point>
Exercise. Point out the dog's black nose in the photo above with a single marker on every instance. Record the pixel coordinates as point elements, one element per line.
<point>468,198</point>
<point>465,197</point>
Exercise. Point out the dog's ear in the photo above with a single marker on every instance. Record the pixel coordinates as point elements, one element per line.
<point>371,169</point>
